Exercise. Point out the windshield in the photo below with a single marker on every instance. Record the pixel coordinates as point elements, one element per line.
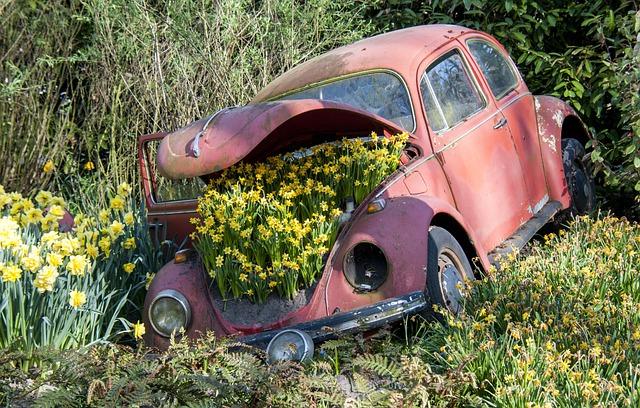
<point>381,93</point>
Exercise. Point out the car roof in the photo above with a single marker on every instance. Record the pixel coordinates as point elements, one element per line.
<point>396,50</point>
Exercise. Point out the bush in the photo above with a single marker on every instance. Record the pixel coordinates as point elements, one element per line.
<point>90,77</point>
<point>63,289</point>
<point>581,52</point>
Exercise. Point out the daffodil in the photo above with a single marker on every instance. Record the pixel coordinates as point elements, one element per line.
<point>138,330</point>
<point>10,273</point>
<point>129,243</point>
<point>128,219</point>
<point>89,166</point>
<point>77,299</point>
<point>48,167</point>
<point>46,278</point>
<point>129,267</point>
<point>77,265</point>
<point>116,229</point>
<point>117,203</point>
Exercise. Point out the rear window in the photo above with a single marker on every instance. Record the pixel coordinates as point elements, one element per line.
<point>494,66</point>
<point>381,93</point>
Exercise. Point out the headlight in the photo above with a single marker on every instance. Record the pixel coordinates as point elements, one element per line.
<point>169,312</point>
<point>290,345</point>
<point>365,266</point>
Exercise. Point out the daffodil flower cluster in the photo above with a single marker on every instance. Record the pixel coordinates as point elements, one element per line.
<point>267,227</point>
<point>50,274</point>
<point>561,325</point>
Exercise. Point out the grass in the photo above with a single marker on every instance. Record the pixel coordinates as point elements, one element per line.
<point>557,327</point>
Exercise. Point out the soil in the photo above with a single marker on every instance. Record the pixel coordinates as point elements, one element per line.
<point>244,312</point>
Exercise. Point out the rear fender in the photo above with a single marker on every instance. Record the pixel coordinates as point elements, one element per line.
<point>552,114</point>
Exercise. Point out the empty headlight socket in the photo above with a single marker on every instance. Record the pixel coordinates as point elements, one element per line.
<point>365,267</point>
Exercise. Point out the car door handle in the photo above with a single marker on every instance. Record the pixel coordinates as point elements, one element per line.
<point>500,123</point>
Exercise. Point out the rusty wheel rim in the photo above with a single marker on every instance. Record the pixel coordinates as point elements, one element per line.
<point>451,280</point>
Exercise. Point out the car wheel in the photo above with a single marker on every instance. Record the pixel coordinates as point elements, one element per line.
<point>447,270</point>
<point>578,176</point>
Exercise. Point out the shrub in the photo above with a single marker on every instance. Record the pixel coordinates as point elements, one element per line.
<point>267,226</point>
<point>81,80</point>
<point>62,288</point>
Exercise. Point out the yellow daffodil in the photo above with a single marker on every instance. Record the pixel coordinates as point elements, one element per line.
<point>89,166</point>
<point>129,267</point>
<point>54,259</point>
<point>128,219</point>
<point>117,203</point>
<point>31,262</point>
<point>10,273</point>
<point>138,330</point>
<point>46,278</point>
<point>77,299</point>
<point>77,265</point>
<point>124,189</point>
<point>116,229</point>
<point>129,243</point>
<point>48,167</point>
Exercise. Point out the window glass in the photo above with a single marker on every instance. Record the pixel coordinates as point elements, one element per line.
<point>436,121</point>
<point>167,189</point>
<point>381,93</point>
<point>452,96</point>
<point>494,66</point>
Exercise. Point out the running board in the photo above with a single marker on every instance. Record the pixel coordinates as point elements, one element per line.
<point>526,231</point>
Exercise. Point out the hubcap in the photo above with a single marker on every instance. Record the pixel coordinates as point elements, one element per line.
<point>450,280</point>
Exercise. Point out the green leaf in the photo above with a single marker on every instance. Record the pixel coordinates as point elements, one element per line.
<point>636,162</point>
<point>508,5</point>
<point>630,149</point>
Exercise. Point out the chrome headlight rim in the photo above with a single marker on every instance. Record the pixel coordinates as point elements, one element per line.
<point>307,342</point>
<point>177,296</point>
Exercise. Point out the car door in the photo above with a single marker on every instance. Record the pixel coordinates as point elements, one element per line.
<point>170,203</point>
<point>516,103</point>
<point>473,145</point>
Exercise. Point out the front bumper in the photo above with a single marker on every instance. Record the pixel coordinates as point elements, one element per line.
<point>363,319</point>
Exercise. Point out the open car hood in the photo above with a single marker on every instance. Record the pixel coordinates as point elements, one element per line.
<point>254,132</point>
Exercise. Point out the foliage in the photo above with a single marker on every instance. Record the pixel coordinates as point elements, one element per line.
<point>557,327</point>
<point>581,52</point>
<point>81,80</point>
<point>267,226</point>
<point>62,288</point>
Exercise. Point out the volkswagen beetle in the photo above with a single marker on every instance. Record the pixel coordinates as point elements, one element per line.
<point>486,165</point>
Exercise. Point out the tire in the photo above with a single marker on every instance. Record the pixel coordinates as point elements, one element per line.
<point>447,264</point>
<point>578,176</point>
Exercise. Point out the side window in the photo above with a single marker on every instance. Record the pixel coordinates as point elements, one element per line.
<point>448,93</point>
<point>494,66</point>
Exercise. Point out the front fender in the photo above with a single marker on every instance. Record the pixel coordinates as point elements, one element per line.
<point>551,114</point>
<point>400,230</point>
<point>191,281</point>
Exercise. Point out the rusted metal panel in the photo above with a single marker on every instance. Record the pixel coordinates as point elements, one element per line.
<point>550,114</point>
<point>254,131</point>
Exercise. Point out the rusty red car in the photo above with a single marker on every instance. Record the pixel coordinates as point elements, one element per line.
<point>486,165</point>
